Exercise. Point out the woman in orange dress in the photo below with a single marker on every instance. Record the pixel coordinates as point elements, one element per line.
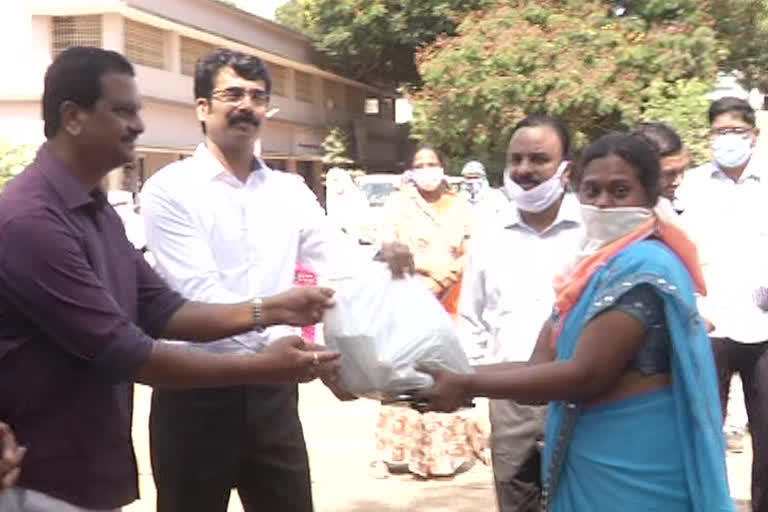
<point>435,224</point>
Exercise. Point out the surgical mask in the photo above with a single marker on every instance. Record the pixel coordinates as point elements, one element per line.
<point>605,225</point>
<point>428,178</point>
<point>540,197</point>
<point>732,150</point>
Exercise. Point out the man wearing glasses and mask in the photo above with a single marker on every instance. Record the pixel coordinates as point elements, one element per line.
<point>726,215</point>
<point>223,226</point>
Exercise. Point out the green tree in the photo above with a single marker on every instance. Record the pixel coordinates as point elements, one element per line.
<point>742,26</point>
<point>598,67</point>
<point>13,159</point>
<point>375,40</point>
<point>291,15</point>
<point>336,147</point>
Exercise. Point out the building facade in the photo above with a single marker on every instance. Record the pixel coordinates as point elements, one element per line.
<point>164,39</point>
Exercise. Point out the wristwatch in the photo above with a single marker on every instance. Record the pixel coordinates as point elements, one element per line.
<point>256,305</point>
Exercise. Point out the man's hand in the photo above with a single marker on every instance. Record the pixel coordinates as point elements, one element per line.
<point>298,307</point>
<point>292,360</point>
<point>399,258</point>
<point>10,458</point>
<point>331,381</point>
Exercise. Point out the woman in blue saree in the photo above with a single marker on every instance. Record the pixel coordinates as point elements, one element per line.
<point>634,421</point>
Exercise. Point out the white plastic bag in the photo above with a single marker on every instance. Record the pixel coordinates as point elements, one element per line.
<point>383,328</point>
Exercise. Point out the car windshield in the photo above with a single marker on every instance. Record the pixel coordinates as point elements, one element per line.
<point>377,193</point>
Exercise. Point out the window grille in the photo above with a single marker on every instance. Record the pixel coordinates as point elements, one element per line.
<point>145,44</point>
<point>304,87</point>
<point>279,76</point>
<point>191,51</point>
<point>69,31</point>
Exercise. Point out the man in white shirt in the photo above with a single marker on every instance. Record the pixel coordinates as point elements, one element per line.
<point>487,203</point>
<point>224,227</point>
<point>726,215</point>
<point>507,292</point>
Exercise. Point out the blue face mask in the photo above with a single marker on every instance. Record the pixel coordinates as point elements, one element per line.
<point>732,150</point>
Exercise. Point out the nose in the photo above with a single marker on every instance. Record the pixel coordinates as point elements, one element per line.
<point>138,125</point>
<point>603,200</point>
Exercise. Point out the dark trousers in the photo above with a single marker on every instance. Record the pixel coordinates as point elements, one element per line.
<point>206,442</point>
<point>516,430</point>
<point>750,360</point>
<point>522,492</point>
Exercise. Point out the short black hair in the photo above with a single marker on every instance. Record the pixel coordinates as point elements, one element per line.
<point>75,75</point>
<point>634,150</point>
<point>662,136</point>
<point>425,146</point>
<point>247,66</point>
<point>734,106</point>
<point>534,120</point>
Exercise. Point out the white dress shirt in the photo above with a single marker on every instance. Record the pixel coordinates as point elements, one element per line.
<point>729,222</point>
<point>219,240</point>
<point>507,292</point>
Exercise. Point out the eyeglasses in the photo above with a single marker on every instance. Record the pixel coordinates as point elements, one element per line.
<point>236,95</point>
<point>732,130</point>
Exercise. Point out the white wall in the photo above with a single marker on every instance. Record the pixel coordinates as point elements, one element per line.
<point>21,122</point>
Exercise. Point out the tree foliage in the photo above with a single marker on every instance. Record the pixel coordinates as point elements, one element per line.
<point>742,26</point>
<point>336,148</point>
<point>13,159</point>
<point>576,59</point>
<point>375,40</point>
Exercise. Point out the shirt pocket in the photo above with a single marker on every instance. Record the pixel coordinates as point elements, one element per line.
<point>228,238</point>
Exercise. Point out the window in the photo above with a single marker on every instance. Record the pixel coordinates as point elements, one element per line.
<point>69,31</point>
<point>334,95</point>
<point>304,87</point>
<point>372,106</point>
<point>279,76</point>
<point>191,51</point>
<point>144,44</point>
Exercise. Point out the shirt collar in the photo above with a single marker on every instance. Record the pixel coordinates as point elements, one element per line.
<point>750,172</point>
<point>569,213</point>
<point>71,191</point>
<point>212,168</point>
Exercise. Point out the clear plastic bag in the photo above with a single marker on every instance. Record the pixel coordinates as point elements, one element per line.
<point>383,328</point>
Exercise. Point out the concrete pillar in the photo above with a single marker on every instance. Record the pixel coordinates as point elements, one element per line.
<point>113,32</point>
<point>173,52</point>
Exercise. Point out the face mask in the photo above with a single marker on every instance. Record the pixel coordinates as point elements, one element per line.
<point>540,197</point>
<point>604,225</point>
<point>732,150</point>
<point>428,178</point>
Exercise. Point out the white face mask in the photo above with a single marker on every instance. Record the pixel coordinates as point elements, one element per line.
<point>605,225</point>
<point>540,197</point>
<point>732,150</point>
<point>428,178</point>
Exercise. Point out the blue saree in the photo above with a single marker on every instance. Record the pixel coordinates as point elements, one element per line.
<point>662,450</point>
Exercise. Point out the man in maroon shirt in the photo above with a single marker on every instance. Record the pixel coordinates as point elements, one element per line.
<point>79,306</point>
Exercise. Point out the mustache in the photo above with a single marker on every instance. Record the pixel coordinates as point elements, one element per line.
<point>244,117</point>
